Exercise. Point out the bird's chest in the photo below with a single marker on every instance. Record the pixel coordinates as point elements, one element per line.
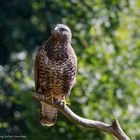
<point>54,76</point>
<point>52,71</point>
<point>57,54</point>
<point>54,67</point>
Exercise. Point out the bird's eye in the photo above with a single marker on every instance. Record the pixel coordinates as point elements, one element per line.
<point>63,29</point>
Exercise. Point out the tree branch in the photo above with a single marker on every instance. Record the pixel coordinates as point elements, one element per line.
<point>114,129</point>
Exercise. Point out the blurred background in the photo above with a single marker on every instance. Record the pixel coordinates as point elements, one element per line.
<point>106,38</point>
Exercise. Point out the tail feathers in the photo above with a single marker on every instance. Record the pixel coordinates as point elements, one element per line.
<point>48,114</point>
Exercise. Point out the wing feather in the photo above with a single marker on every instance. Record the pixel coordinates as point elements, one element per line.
<point>36,70</point>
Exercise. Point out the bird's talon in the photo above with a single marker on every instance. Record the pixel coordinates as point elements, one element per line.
<point>64,102</point>
<point>68,103</point>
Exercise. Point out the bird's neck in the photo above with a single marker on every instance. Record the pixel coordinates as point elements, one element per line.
<point>57,41</point>
<point>57,50</point>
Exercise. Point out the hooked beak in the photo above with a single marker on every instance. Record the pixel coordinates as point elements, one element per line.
<point>56,30</point>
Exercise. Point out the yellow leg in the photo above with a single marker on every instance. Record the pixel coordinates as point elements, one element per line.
<point>64,101</point>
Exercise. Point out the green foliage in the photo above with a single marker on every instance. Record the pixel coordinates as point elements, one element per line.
<point>106,40</point>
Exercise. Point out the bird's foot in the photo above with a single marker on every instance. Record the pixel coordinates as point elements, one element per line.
<point>64,102</point>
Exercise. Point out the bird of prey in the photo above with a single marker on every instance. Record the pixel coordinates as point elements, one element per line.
<point>55,71</point>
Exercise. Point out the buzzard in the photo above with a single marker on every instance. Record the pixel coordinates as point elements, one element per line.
<point>55,72</point>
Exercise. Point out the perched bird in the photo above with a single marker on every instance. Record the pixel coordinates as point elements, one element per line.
<point>55,71</point>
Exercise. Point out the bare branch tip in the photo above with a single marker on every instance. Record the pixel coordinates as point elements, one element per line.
<point>115,124</point>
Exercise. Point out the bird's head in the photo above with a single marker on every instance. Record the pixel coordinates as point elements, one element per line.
<point>62,32</point>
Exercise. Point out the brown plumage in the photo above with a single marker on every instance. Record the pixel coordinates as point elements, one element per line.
<point>55,71</point>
